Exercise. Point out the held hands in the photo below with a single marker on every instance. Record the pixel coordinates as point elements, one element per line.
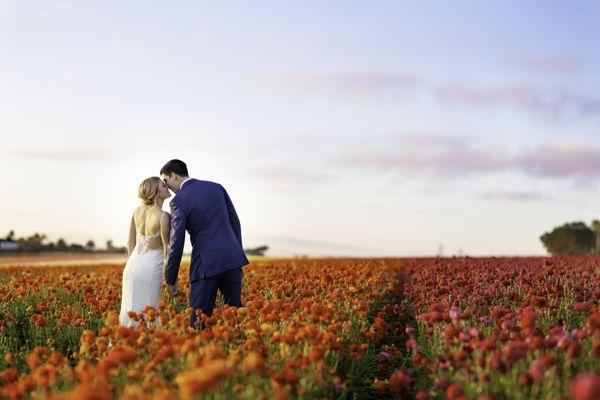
<point>173,289</point>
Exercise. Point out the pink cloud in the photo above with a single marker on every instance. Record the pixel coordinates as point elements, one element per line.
<point>554,104</point>
<point>355,84</point>
<point>563,64</point>
<point>550,160</point>
<point>550,102</point>
<point>432,153</point>
<point>560,160</point>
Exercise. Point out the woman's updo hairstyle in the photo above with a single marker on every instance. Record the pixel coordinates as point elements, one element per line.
<point>148,190</point>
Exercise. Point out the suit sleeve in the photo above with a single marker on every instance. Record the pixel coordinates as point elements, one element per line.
<point>176,241</point>
<point>233,218</point>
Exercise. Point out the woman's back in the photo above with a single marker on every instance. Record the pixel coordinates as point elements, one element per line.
<point>147,226</point>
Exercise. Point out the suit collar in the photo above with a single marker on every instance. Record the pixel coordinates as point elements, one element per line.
<point>184,181</point>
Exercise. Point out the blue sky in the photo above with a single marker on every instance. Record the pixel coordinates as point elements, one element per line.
<point>346,128</point>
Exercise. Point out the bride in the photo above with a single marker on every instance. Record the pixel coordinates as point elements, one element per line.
<point>147,248</point>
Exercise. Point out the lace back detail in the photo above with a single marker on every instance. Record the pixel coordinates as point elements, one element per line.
<point>143,241</point>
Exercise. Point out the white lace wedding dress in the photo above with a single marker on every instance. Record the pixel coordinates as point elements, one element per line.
<point>142,280</point>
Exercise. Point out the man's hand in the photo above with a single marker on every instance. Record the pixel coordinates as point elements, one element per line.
<point>173,289</point>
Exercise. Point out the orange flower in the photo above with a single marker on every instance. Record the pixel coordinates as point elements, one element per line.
<point>133,315</point>
<point>194,382</point>
<point>33,361</point>
<point>88,391</point>
<point>253,362</point>
<point>9,358</point>
<point>286,375</point>
<point>112,319</point>
<point>9,375</point>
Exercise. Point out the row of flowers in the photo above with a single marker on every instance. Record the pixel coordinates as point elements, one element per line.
<point>456,328</point>
<point>496,328</point>
<point>304,327</point>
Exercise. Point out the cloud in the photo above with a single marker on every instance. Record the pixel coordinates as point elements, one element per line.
<point>430,139</point>
<point>287,173</point>
<point>514,196</point>
<point>458,157</point>
<point>455,161</point>
<point>561,64</point>
<point>433,153</point>
<point>551,103</point>
<point>67,153</point>
<point>560,160</point>
<point>364,84</point>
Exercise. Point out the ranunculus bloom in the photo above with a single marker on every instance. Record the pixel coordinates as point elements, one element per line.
<point>586,386</point>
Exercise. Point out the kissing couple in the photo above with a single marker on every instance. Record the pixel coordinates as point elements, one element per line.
<point>156,239</point>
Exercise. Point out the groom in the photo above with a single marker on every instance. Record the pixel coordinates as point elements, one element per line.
<point>205,210</point>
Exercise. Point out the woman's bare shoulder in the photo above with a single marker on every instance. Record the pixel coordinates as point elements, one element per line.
<point>136,211</point>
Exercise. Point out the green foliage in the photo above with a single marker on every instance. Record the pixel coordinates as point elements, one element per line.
<point>570,238</point>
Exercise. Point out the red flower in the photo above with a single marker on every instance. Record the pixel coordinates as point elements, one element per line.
<point>401,381</point>
<point>586,386</point>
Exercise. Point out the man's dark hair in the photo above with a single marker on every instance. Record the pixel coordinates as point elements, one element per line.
<point>174,166</point>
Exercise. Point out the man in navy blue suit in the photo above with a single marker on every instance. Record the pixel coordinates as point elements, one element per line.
<point>205,210</point>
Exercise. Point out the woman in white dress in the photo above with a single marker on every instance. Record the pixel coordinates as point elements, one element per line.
<point>147,247</point>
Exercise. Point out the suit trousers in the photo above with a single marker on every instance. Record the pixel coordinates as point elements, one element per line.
<point>203,294</point>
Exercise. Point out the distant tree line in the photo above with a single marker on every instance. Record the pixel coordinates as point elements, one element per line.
<point>39,242</point>
<point>573,238</point>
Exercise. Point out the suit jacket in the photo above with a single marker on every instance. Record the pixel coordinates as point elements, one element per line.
<point>205,210</point>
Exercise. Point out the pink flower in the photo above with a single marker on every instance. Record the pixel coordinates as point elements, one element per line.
<point>454,313</point>
<point>475,332</point>
<point>383,357</point>
<point>464,337</point>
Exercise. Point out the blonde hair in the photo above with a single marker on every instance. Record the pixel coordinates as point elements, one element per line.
<point>148,190</point>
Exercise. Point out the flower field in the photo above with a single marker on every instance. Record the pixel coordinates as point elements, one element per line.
<point>502,328</point>
<point>483,328</point>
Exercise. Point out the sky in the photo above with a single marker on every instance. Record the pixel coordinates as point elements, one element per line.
<point>390,128</point>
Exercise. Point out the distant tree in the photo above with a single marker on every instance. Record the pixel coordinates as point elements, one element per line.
<point>35,242</point>
<point>122,249</point>
<point>596,229</point>
<point>570,238</point>
<point>90,245</point>
<point>257,251</point>
<point>61,244</point>
<point>76,247</point>
<point>109,245</point>
<point>11,235</point>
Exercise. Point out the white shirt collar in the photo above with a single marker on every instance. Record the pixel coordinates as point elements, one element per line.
<point>184,181</point>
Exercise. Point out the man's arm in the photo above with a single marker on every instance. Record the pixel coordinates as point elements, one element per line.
<point>177,238</point>
<point>233,218</point>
